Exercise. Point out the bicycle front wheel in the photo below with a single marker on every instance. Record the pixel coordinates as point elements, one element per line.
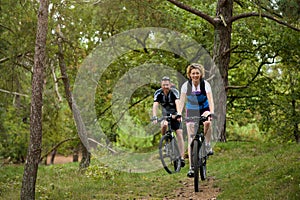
<point>169,154</point>
<point>203,158</point>
<point>195,160</point>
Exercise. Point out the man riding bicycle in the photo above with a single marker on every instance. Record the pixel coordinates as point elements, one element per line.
<point>168,97</point>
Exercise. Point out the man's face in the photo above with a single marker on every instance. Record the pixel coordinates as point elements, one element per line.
<point>165,85</point>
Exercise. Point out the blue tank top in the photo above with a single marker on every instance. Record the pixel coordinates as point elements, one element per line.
<point>196,100</point>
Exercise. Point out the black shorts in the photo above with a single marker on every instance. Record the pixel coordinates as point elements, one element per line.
<point>175,124</point>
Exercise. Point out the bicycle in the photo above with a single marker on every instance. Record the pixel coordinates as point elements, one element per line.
<point>198,150</point>
<point>168,148</point>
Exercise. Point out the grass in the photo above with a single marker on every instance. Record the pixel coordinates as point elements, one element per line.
<point>257,170</point>
<point>243,170</point>
<point>98,182</point>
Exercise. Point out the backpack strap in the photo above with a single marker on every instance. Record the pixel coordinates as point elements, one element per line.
<point>202,87</point>
<point>189,87</point>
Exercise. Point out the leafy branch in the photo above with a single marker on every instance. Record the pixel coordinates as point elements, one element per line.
<point>214,21</point>
<point>254,14</point>
<point>194,11</point>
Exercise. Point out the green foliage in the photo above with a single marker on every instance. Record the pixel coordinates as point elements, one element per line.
<point>264,67</point>
<point>265,63</point>
<point>140,102</point>
<point>133,136</point>
<point>290,9</point>
<point>101,172</point>
<point>15,136</point>
<point>248,132</point>
<point>58,125</point>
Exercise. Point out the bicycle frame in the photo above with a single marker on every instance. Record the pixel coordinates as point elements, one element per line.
<point>199,155</point>
<point>198,122</point>
<point>170,133</point>
<point>199,136</point>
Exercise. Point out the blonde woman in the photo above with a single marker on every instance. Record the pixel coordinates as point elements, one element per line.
<point>197,94</point>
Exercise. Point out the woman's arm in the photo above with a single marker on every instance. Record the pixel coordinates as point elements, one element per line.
<point>210,102</point>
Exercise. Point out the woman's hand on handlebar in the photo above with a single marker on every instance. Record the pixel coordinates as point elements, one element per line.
<point>178,117</point>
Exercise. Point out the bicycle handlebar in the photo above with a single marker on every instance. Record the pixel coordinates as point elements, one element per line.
<point>200,119</point>
<point>168,117</point>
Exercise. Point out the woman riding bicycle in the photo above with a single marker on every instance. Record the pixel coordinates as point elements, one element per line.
<point>198,94</point>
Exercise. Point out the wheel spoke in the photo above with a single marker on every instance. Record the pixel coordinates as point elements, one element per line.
<point>169,154</point>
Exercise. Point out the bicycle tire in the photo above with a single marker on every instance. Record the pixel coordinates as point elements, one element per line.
<point>195,160</point>
<point>169,154</point>
<point>203,158</point>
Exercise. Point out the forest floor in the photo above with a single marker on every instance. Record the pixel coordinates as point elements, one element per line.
<point>207,188</point>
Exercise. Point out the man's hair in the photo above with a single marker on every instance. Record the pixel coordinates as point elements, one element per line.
<point>165,78</point>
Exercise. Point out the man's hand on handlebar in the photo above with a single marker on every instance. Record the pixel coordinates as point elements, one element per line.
<point>154,120</point>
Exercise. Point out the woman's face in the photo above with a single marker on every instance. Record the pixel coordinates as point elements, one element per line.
<point>195,74</point>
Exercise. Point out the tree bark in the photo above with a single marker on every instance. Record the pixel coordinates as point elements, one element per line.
<point>296,127</point>
<point>221,50</point>
<point>86,156</point>
<point>53,154</point>
<point>35,144</point>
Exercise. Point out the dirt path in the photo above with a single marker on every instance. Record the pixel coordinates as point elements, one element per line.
<point>60,159</point>
<point>207,190</point>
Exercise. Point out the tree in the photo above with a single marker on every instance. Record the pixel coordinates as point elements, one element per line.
<point>86,155</point>
<point>16,61</point>
<point>222,24</point>
<point>35,148</point>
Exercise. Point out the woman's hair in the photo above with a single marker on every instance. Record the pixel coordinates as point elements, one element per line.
<point>195,66</point>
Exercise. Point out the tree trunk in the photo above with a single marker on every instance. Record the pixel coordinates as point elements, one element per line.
<point>296,127</point>
<point>35,144</point>
<point>76,154</point>
<point>86,158</point>
<point>77,116</point>
<point>221,51</point>
<point>53,154</point>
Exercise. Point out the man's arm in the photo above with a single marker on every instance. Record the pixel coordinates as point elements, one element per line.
<point>155,108</point>
<point>177,103</point>
<point>180,103</point>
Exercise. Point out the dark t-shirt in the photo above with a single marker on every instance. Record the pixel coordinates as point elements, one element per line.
<point>167,101</point>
